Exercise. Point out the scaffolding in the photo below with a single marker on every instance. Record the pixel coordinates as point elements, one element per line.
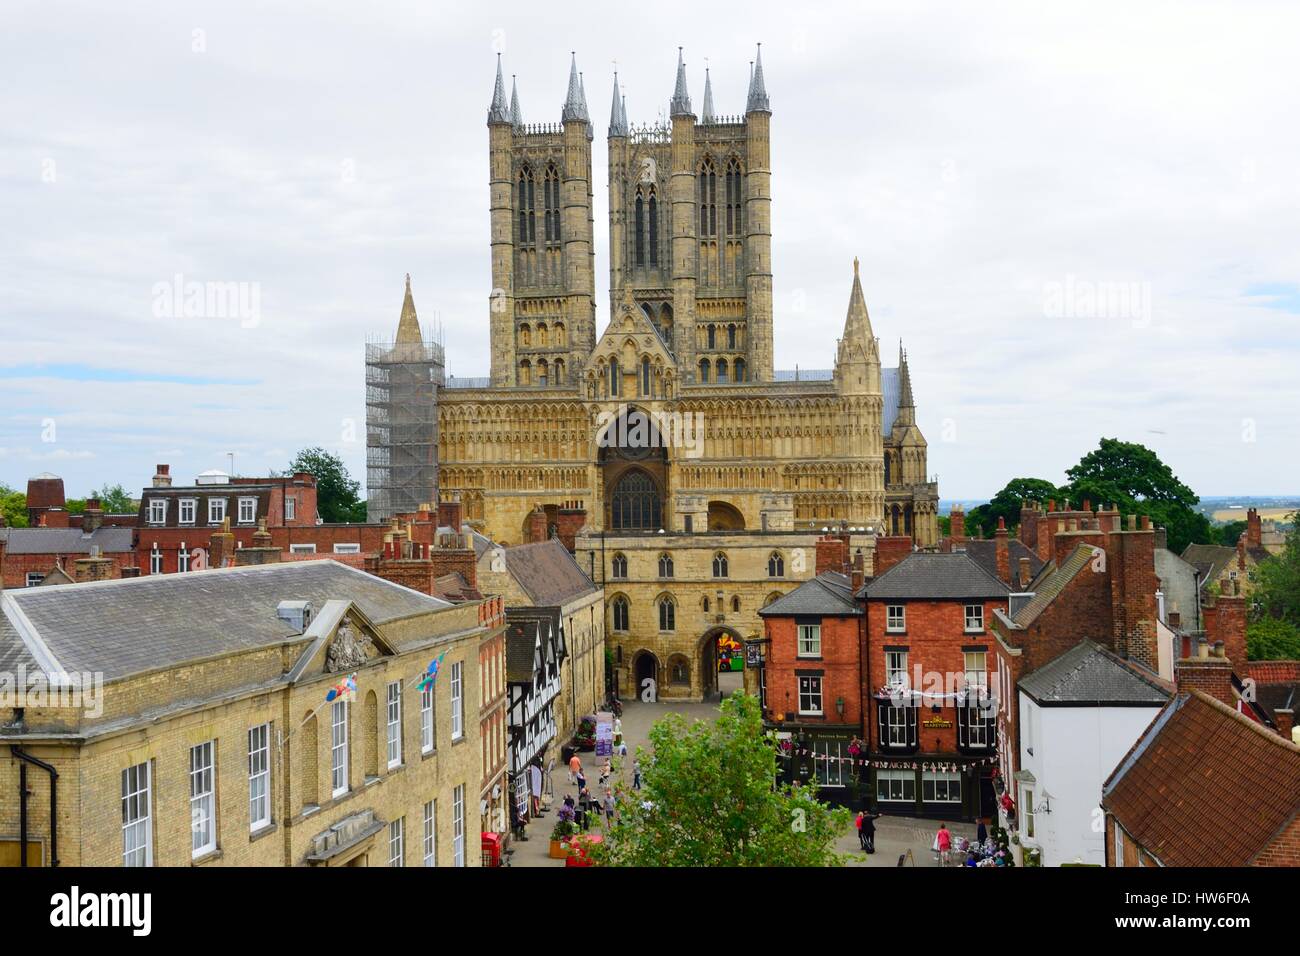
<point>402,382</point>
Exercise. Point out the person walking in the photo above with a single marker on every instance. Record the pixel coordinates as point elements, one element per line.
<point>580,779</point>
<point>869,832</point>
<point>943,843</point>
<point>636,774</point>
<point>857,822</point>
<point>609,807</point>
<point>575,767</point>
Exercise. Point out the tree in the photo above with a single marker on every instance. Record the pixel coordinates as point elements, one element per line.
<point>1272,639</point>
<point>337,494</point>
<point>710,798</point>
<point>981,522</point>
<point>114,499</point>
<point>1133,478</point>
<point>1277,583</point>
<point>1227,534</point>
<point>13,506</point>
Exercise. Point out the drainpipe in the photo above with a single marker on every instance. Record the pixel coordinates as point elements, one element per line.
<point>27,758</point>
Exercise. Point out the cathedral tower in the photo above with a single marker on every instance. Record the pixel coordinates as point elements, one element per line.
<point>690,229</point>
<point>542,304</point>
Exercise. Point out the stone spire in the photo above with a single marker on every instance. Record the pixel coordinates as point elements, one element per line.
<point>617,117</point>
<point>857,324</point>
<point>904,380</point>
<point>498,112</point>
<point>408,326</point>
<point>706,114</point>
<point>516,114</point>
<point>586,113</point>
<point>575,104</point>
<point>757,101</point>
<point>681,101</point>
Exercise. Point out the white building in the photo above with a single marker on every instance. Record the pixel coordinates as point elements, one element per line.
<point>1079,715</point>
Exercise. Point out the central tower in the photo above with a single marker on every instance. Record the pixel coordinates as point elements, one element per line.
<point>690,230</point>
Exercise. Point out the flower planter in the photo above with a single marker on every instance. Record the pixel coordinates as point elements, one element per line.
<point>559,849</point>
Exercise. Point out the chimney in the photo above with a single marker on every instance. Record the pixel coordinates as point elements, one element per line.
<point>1028,533</point>
<point>889,551</point>
<point>1225,623</point>
<point>262,550</point>
<point>1162,539</point>
<point>450,514</point>
<point>1004,560</point>
<point>1172,617</point>
<point>1241,553</point>
<point>2,558</point>
<point>96,567</point>
<point>957,531</point>
<point>1131,569</point>
<point>832,554</point>
<point>1209,671</point>
<point>859,571</point>
<point>221,546</point>
<point>163,477</point>
<point>1284,717</point>
<point>537,524</point>
<point>1025,574</point>
<point>93,517</point>
<point>1254,532</point>
<point>132,572</point>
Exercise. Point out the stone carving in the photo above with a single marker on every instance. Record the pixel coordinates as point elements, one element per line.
<point>349,649</point>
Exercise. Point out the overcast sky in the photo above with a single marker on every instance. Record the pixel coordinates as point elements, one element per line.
<point>1082,219</point>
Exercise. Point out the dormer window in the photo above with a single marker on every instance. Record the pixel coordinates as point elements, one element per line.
<point>157,510</point>
<point>216,510</point>
<point>188,508</point>
<point>247,510</point>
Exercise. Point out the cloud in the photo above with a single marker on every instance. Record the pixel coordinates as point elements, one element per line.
<point>975,158</point>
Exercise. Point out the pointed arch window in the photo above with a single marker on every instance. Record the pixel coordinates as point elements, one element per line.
<point>635,503</point>
<point>639,221</point>
<point>708,199</point>
<point>614,376</point>
<point>712,333</point>
<point>654,228</point>
<point>776,565</point>
<point>720,565</point>
<point>704,370</point>
<point>645,376</point>
<point>525,200</point>
<point>665,565</point>
<point>739,368</point>
<point>618,567</point>
<point>667,614</point>
<point>551,201</point>
<point>733,197</point>
<point>620,609</point>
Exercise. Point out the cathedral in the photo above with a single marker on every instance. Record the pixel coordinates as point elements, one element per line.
<point>689,475</point>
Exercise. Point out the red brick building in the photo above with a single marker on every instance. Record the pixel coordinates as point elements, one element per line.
<point>930,724</point>
<point>810,675</point>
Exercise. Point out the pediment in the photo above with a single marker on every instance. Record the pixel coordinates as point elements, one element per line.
<point>630,337</point>
<point>343,640</point>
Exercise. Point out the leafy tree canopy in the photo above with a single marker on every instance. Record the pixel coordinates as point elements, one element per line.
<point>1272,639</point>
<point>13,505</point>
<point>982,521</point>
<point>1277,583</point>
<point>337,493</point>
<point>709,797</point>
<point>114,499</point>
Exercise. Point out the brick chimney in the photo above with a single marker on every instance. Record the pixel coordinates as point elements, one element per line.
<point>957,531</point>
<point>262,551</point>
<point>890,550</point>
<point>1131,567</point>
<point>571,519</point>
<point>1004,558</point>
<point>859,571</point>
<point>96,567</point>
<point>450,514</point>
<point>93,517</point>
<point>1209,671</point>
<point>537,524</point>
<point>1254,531</point>
<point>1241,553</point>
<point>1225,623</point>
<point>1028,533</point>
<point>221,546</point>
<point>163,477</point>
<point>832,554</point>
<point>1026,574</point>
<point>1284,717</point>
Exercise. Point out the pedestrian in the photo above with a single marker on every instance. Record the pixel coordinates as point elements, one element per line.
<point>869,832</point>
<point>575,766</point>
<point>618,730</point>
<point>609,807</point>
<point>636,774</point>
<point>981,833</point>
<point>586,806</point>
<point>605,771</point>
<point>857,822</point>
<point>581,780</point>
<point>535,779</point>
<point>943,843</point>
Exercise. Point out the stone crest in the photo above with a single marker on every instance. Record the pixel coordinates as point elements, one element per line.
<point>349,649</point>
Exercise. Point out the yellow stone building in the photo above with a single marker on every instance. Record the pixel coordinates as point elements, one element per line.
<point>554,441</point>
<point>201,734</point>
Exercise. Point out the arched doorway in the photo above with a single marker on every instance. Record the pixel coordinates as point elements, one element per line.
<point>645,666</point>
<point>722,661</point>
<point>633,459</point>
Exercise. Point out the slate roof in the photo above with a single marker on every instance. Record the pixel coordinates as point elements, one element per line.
<point>935,577</point>
<point>830,593</point>
<point>521,651</point>
<point>547,572</point>
<point>13,651</point>
<point>1209,559</point>
<point>1089,674</point>
<point>1205,785</point>
<point>455,588</point>
<point>983,551</point>
<point>1051,584</point>
<point>68,540</point>
<point>126,627</point>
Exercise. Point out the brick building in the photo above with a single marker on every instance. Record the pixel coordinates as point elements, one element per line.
<point>212,741</point>
<point>810,675</point>
<point>925,687</point>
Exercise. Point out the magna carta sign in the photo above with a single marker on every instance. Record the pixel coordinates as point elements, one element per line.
<point>936,723</point>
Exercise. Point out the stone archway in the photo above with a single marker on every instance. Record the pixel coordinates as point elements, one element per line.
<point>645,666</point>
<point>709,657</point>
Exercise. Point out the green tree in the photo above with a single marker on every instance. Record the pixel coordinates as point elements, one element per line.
<point>1277,583</point>
<point>1227,534</point>
<point>982,521</point>
<point>1132,477</point>
<point>1272,639</point>
<point>13,505</point>
<point>114,499</point>
<point>710,798</point>
<point>337,493</point>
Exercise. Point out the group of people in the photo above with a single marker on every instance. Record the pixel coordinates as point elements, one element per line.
<point>587,805</point>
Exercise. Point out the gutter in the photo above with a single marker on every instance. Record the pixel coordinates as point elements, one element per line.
<point>27,758</point>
